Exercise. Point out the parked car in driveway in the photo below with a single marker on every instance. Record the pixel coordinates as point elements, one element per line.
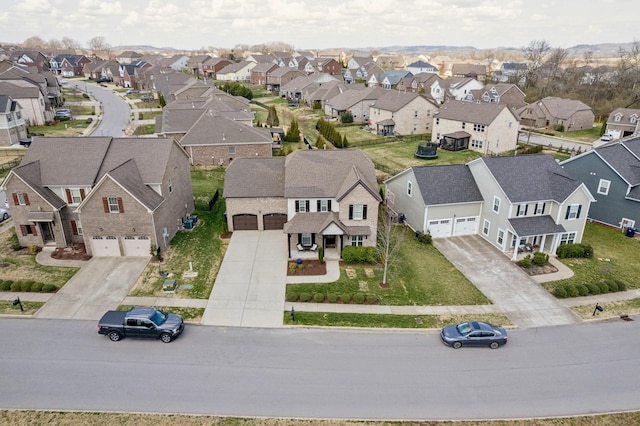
<point>473,333</point>
<point>103,80</point>
<point>606,138</point>
<point>146,98</point>
<point>131,91</point>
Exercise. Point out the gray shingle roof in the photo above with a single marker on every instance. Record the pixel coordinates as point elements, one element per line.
<point>535,225</point>
<point>446,184</point>
<point>254,178</point>
<point>350,97</point>
<point>470,112</point>
<point>618,157</point>
<point>528,178</point>
<point>328,174</point>
<point>394,100</point>
<point>128,176</point>
<point>564,108</point>
<point>213,129</point>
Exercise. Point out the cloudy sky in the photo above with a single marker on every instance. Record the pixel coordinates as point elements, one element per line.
<point>310,24</point>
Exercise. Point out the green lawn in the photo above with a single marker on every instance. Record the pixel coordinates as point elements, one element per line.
<point>147,129</point>
<point>614,255</point>
<point>82,110</point>
<point>397,156</point>
<point>61,129</point>
<point>332,319</point>
<point>201,246</point>
<point>425,278</point>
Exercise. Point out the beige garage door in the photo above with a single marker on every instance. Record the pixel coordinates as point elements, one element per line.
<point>137,246</point>
<point>105,246</point>
<point>245,222</point>
<point>274,221</point>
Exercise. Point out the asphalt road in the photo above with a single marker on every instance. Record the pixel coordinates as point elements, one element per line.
<point>318,373</point>
<point>116,112</point>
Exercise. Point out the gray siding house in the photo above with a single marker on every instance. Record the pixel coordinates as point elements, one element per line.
<point>513,202</point>
<point>612,174</point>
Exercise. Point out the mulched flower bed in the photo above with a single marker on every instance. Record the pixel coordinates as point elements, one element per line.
<point>74,251</point>
<point>547,268</point>
<point>311,267</point>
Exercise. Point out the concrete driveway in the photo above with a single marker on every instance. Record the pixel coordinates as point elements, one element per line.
<point>250,287</point>
<point>516,294</point>
<point>100,285</point>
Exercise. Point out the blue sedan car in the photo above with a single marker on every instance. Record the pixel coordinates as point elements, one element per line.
<point>473,333</point>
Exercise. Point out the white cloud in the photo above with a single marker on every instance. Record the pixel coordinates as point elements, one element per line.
<point>317,24</point>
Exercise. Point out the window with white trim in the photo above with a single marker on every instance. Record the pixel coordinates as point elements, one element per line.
<point>573,212</point>
<point>21,198</point>
<point>476,143</point>
<point>522,210</point>
<point>539,208</point>
<point>113,205</point>
<point>305,239</point>
<point>324,205</point>
<point>409,188</point>
<point>358,211</point>
<point>391,197</point>
<point>478,128</point>
<point>603,186</point>
<point>496,204</point>
<point>232,150</point>
<point>170,186</point>
<point>500,239</point>
<point>485,227</point>
<point>568,238</point>
<point>76,197</point>
<point>357,240</point>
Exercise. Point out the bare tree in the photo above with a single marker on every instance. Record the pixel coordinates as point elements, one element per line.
<point>390,237</point>
<point>54,44</point>
<point>69,43</point>
<point>535,54</point>
<point>34,42</point>
<point>98,45</point>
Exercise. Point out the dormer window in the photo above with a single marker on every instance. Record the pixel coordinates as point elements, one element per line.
<point>633,118</point>
<point>617,118</point>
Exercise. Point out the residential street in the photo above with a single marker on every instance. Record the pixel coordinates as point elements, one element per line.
<point>317,373</point>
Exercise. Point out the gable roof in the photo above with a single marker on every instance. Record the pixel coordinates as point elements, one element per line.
<point>255,177</point>
<point>471,112</point>
<point>460,185</point>
<point>353,95</point>
<point>563,108</point>
<point>394,100</point>
<point>527,178</point>
<point>328,174</point>
<point>127,175</point>
<point>214,129</point>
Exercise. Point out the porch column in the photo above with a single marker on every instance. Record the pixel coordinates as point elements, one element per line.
<point>289,245</point>
<point>544,237</point>
<point>515,250</point>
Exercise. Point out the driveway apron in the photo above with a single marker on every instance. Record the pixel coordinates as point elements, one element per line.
<point>525,302</point>
<point>97,287</point>
<point>250,287</point>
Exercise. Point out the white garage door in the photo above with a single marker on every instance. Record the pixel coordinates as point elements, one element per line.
<point>105,246</point>
<point>439,228</point>
<point>137,246</point>
<point>465,226</point>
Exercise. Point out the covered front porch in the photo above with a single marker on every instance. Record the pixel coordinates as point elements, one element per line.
<point>533,234</point>
<point>307,232</point>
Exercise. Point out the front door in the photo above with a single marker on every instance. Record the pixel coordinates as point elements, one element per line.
<point>330,241</point>
<point>47,232</point>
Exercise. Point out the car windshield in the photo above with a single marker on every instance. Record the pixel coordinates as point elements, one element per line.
<point>158,318</point>
<point>464,328</point>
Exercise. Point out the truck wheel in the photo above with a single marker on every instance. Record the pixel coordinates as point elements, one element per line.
<point>165,337</point>
<point>114,336</point>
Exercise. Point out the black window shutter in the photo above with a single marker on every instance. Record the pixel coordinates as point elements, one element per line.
<point>364,211</point>
<point>578,214</point>
<point>350,211</point>
<point>306,203</point>
<point>518,210</point>
<point>299,238</point>
<point>329,205</point>
<point>318,206</point>
<point>543,207</point>
<point>526,208</point>
<point>297,206</point>
<point>566,216</point>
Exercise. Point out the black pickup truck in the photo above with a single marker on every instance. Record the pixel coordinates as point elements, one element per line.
<point>147,323</point>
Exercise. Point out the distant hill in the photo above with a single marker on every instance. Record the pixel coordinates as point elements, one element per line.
<point>143,48</point>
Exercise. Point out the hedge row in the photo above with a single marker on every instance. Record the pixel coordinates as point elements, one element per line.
<point>27,286</point>
<point>571,290</point>
<point>361,254</point>
<point>574,250</point>
<point>359,298</point>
